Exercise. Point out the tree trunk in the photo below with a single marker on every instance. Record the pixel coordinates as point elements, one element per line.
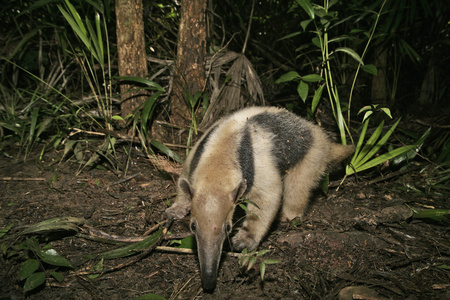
<point>191,53</point>
<point>131,50</point>
<point>379,89</point>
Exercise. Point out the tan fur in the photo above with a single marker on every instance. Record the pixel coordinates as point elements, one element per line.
<point>211,191</point>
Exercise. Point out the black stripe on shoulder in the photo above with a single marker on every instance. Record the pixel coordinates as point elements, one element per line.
<point>199,151</point>
<point>292,137</point>
<point>246,158</point>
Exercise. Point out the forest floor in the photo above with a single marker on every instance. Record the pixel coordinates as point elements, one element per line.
<point>359,242</point>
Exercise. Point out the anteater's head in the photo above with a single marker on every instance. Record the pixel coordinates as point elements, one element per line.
<point>212,209</point>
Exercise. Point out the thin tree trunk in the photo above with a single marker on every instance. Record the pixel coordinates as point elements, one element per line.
<point>191,53</point>
<point>379,88</point>
<point>131,50</point>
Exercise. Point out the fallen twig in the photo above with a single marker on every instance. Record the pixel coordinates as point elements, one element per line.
<point>393,174</point>
<point>100,236</point>
<point>22,179</point>
<point>123,180</point>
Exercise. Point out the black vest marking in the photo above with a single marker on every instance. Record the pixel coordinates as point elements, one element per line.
<point>246,159</point>
<point>199,151</point>
<point>292,138</point>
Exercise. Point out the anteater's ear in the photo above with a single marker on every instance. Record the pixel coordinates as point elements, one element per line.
<point>239,191</point>
<point>186,187</point>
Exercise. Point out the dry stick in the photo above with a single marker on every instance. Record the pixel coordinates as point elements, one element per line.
<point>123,180</point>
<point>394,174</point>
<point>101,236</point>
<point>155,227</point>
<point>22,179</point>
<point>248,28</point>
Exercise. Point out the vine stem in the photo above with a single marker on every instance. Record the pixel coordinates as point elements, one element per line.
<point>362,57</point>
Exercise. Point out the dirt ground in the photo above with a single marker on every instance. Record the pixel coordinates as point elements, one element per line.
<point>359,242</point>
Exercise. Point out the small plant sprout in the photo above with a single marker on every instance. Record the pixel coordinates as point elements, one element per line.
<point>248,259</point>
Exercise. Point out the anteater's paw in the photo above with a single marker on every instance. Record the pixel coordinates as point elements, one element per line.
<point>178,210</point>
<point>244,239</point>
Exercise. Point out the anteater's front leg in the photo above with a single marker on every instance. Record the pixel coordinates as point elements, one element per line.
<point>259,218</point>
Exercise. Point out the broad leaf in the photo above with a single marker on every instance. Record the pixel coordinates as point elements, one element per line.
<point>28,267</point>
<point>371,69</point>
<point>312,78</point>
<point>350,52</point>
<point>307,7</point>
<point>130,249</point>
<point>52,257</point>
<point>289,76</point>
<point>302,90</point>
<point>34,281</point>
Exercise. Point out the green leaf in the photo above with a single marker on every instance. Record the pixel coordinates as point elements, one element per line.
<point>77,25</point>
<point>446,267</point>
<point>371,69</point>
<point>55,225</point>
<point>188,243</point>
<point>58,276</point>
<point>262,252</point>
<point>96,49</point>
<point>290,35</point>
<point>99,39</point>
<point>316,98</point>
<point>302,90</point>
<point>438,215</point>
<point>252,203</point>
<point>305,24</point>
<point>98,267</point>
<point>44,125</point>
<point>367,115</point>
<point>387,111</point>
<point>35,5</point>
<point>34,281</point>
<point>243,206</point>
<point>147,111</point>
<point>312,78</point>
<point>251,262</point>
<point>289,76</point>
<point>262,270</point>
<point>271,261</point>
<point>28,267</point>
<point>316,42</point>
<point>367,107</point>
<point>166,151</point>
<point>381,142</point>
<point>307,7</point>
<point>324,184</point>
<point>369,145</point>
<point>141,80</point>
<point>129,249</point>
<point>34,117</point>
<point>381,159</point>
<point>245,259</point>
<point>52,257</point>
<point>116,117</point>
<point>5,230</point>
<point>361,160</point>
<point>350,52</point>
<point>150,297</point>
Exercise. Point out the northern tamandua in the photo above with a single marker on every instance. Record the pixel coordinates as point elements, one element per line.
<point>267,155</point>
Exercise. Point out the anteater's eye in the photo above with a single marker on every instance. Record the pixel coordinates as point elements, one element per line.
<point>228,228</point>
<point>193,227</point>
